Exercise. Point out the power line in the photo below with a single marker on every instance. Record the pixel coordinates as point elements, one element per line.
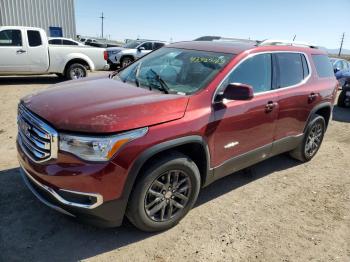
<point>102,18</point>
<point>341,44</point>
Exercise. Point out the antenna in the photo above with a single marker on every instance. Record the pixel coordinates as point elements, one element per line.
<point>102,18</point>
<point>341,44</point>
<point>294,37</point>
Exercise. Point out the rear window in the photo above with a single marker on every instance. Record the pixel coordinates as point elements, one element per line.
<point>34,38</point>
<point>323,66</point>
<point>290,68</point>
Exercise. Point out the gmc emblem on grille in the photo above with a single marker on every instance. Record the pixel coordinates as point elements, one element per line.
<point>24,128</point>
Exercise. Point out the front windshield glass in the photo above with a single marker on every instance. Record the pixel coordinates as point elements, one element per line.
<point>132,44</point>
<point>173,70</point>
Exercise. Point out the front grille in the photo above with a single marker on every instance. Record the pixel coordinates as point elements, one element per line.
<point>37,139</point>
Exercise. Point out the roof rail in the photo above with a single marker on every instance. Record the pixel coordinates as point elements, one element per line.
<point>229,39</point>
<point>268,42</point>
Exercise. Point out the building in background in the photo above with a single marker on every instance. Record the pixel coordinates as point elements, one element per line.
<point>57,17</point>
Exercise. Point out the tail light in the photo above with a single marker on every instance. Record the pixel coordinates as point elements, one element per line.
<point>105,55</point>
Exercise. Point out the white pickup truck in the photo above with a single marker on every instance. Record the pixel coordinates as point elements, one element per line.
<point>25,51</point>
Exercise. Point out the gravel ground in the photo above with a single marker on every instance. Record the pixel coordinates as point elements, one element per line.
<point>281,211</point>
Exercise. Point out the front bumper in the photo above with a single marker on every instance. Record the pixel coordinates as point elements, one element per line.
<point>68,192</point>
<point>106,214</point>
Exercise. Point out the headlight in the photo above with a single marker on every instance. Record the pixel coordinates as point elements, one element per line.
<point>97,148</point>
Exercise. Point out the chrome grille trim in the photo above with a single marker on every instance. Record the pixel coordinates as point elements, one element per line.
<point>38,140</point>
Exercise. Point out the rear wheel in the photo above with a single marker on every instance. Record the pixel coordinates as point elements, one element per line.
<point>312,140</point>
<point>165,193</point>
<point>76,71</point>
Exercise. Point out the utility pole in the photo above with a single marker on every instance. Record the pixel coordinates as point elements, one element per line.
<point>102,18</point>
<point>341,44</point>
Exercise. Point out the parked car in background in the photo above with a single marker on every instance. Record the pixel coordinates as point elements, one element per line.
<point>341,69</point>
<point>123,56</point>
<point>344,96</point>
<point>143,142</point>
<point>63,41</point>
<point>26,50</point>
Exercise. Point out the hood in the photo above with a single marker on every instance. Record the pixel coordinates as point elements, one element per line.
<point>103,106</point>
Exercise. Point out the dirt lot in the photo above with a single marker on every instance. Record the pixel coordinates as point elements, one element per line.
<point>284,211</point>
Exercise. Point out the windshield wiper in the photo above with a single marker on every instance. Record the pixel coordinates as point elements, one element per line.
<point>163,85</point>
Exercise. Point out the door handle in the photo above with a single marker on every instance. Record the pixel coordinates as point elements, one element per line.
<point>21,51</point>
<point>270,106</point>
<point>313,96</point>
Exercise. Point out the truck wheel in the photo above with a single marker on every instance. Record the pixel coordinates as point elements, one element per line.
<point>126,61</point>
<point>76,71</point>
<point>342,98</point>
<point>312,140</point>
<point>165,193</point>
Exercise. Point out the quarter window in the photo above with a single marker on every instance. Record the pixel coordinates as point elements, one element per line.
<point>34,38</point>
<point>10,38</point>
<point>290,69</point>
<point>255,71</point>
<point>323,66</point>
<point>68,42</point>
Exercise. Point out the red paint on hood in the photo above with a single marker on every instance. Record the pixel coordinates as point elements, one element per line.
<point>104,106</point>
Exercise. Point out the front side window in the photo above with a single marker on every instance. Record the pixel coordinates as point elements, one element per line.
<point>174,70</point>
<point>323,66</point>
<point>255,71</point>
<point>34,38</point>
<point>10,38</point>
<point>290,69</point>
<point>147,46</point>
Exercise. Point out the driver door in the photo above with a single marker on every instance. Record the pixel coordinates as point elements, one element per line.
<point>144,49</point>
<point>244,130</point>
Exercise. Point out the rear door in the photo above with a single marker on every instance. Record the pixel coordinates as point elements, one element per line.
<point>297,93</point>
<point>38,54</point>
<point>13,51</point>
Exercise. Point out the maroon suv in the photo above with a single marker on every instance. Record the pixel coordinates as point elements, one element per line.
<point>144,141</point>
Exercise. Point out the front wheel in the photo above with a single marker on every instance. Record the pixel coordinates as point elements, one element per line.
<point>312,140</point>
<point>76,71</point>
<point>125,61</point>
<point>165,193</point>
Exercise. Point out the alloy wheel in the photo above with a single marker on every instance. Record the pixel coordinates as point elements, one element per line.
<point>168,195</point>
<point>77,73</point>
<point>313,140</point>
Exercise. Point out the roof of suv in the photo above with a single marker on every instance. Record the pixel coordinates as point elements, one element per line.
<point>212,46</point>
<point>236,47</point>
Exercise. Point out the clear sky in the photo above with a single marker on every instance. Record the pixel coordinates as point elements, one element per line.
<point>320,22</point>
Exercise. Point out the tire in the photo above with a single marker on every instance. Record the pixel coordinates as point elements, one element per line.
<point>76,71</point>
<point>310,145</point>
<point>125,61</point>
<point>341,99</point>
<point>152,191</point>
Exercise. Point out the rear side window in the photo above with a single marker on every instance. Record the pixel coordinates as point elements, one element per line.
<point>157,45</point>
<point>55,42</point>
<point>10,38</point>
<point>34,38</point>
<point>68,42</point>
<point>290,69</point>
<point>255,71</point>
<point>323,66</point>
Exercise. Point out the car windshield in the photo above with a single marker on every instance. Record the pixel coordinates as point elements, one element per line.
<point>173,70</point>
<point>132,44</point>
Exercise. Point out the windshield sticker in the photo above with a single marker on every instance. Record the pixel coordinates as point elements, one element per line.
<point>211,60</point>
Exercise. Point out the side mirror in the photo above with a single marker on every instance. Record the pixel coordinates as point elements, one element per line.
<point>141,48</point>
<point>337,69</point>
<point>238,91</point>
